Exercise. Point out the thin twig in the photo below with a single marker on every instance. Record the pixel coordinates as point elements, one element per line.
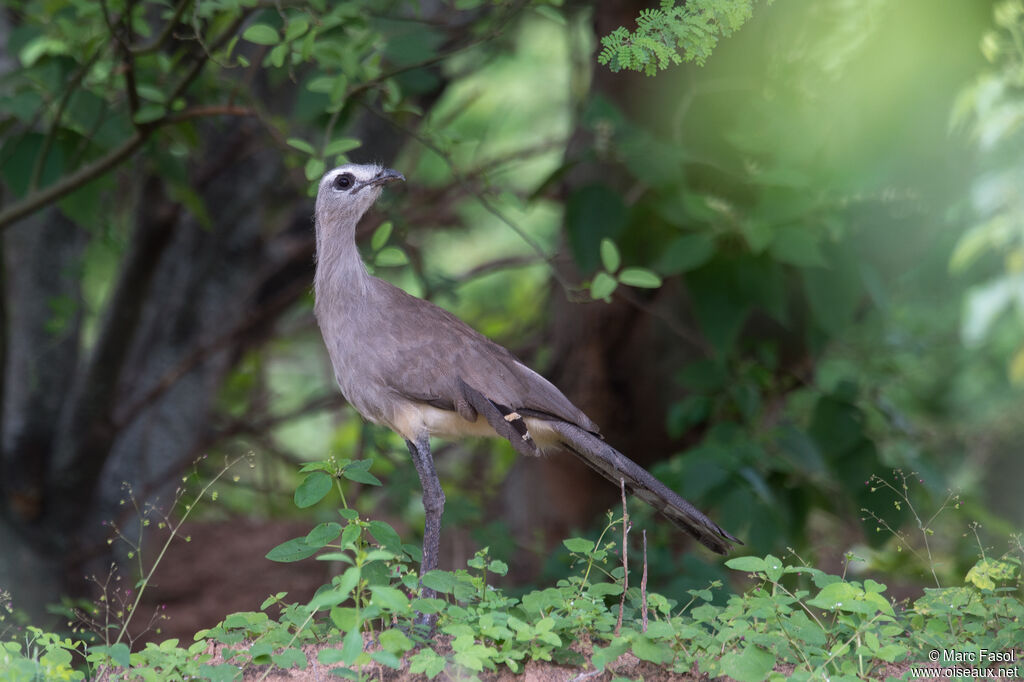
<point>643,588</point>
<point>69,90</point>
<point>687,335</point>
<point>127,59</point>
<point>507,263</point>
<point>211,110</point>
<point>480,196</point>
<point>159,40</point>
<point>625,556</point>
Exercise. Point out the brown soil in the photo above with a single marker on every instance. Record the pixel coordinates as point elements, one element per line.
<point>221,570</point>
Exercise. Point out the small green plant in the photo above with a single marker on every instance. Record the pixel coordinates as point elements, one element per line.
<point>606,281</point>
<point>107,642</point>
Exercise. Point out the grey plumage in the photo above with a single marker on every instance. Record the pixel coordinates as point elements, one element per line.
<point>406,363</point>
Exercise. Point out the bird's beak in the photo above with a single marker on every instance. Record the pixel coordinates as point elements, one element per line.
<point>385,176</point>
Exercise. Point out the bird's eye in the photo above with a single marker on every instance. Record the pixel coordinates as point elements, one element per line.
<point>344,181</point>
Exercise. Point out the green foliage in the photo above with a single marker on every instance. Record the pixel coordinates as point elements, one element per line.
<point>813,624</point>
<point>692,28</point>
<point>814,339</point>
<point>42,656</point>
<point>97,81</point>
<point>993,109</point>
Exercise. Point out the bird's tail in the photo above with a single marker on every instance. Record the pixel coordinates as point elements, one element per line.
<point>615,466</point>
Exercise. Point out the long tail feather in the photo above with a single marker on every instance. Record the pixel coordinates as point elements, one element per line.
<point>614,466</point>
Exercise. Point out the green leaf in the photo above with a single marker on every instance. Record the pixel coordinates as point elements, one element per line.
<point>301,145</point>
<point>314,168</point>
<point>578,545</point>
<point>834,293</point>
<point>796,245</point>
<point>685,253</point>
<point>646,650</point>
<point>604,589</point>
<point>312,489</point>
<point>342,144</point>
<point>390,256</point>
<point>389,598</point>
<point>277,56</point>
<point>351,646</point>
<point>151,92</point>
<point>329,656</point>
<point>751,665</point>
<point>323,533</point>
<point>296,28</point>
<point>149,113</point>
<point>387,658</point>
<point>427,662</point>
<point>773,568</point>
<point>386,536</point>
<point>37,48</point>
<point>640,277</point>
<point>890,653</point>
<point>295,549</point>
<point>290,658</point>
<point>604,656</point>
<point>357,471</point>
<point>261,34</point>
<point>610,257</point>
<point>439,581</point>
<point>395,641</point>
<point>421,605</point>
<point>602,286</point>
<point>225,672</point>
<point>119,653</point>
<point>986,572</point>
<point>381,235</point>
<point>748,564</point>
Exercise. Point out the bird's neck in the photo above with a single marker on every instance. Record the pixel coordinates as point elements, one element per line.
<point>340,272</point>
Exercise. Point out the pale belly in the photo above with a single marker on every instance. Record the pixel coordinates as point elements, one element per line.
<point>416,418</point>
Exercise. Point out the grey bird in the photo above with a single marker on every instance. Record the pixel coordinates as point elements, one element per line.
<point>407,364</point>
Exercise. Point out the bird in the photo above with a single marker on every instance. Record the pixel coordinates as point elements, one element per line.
<point>405,363</point>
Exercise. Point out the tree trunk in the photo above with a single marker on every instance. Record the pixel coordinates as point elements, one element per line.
<point>80,424</point>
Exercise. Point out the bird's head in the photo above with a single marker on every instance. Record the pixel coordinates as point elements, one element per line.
<point>346,192</point>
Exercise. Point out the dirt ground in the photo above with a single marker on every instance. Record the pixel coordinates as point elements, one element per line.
<point>221,570</point>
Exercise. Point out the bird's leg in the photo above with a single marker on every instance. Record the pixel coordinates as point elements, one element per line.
<point>433,503</point>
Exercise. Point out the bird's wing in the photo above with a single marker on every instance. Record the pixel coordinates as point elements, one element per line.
<point>437,361</point>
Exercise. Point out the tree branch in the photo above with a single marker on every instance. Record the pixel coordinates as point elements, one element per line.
<point>33,201</point>
<point>69,183</point>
